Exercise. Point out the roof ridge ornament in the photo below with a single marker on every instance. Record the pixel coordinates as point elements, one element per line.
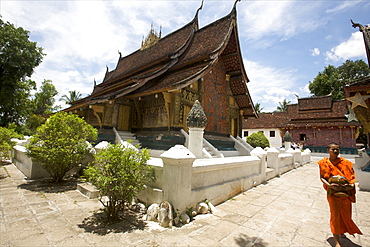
<point>151,39</point>
<point>366,34</point>
<point>236,1</point>
<point>195,20</point>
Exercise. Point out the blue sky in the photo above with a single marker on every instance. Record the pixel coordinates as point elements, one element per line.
<point>284,44</point>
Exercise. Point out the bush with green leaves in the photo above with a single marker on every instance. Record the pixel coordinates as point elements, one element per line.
<point>258,140</point>
<point>119,173</point>
<point>6,144</point>
<point>61,143</point>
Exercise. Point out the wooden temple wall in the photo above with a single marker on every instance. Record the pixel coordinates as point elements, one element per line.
<point>345,136</point>
<point>215,102</point>
<point>153,111</point>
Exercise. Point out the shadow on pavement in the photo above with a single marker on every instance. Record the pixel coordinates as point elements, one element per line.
<point>3,164</point>
<point>45,186</point>
<point>244,240</point>
<point>97,223</point>
<point>345,242</point>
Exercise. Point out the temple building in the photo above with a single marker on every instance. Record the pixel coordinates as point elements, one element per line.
<point>314,122</point>
<point>151,91</point>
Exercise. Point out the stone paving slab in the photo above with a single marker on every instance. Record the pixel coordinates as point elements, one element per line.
<point>290,210</point>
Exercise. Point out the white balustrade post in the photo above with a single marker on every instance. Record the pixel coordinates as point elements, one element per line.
<point>296,156</point>
<point>260,153</point>
<point>177,173</point>
<point>287,145</point>
<point>273,160</point>
<point>195,143</point>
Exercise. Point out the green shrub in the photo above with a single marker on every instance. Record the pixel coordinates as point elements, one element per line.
<point>258,140</point>
<point>61,143</point>
<point>120,174</point>
<point>6,145</point>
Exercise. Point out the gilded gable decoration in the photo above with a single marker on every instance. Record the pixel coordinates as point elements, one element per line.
<point>151,39</point>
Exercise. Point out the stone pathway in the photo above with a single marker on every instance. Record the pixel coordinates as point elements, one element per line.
<point>290,210</point>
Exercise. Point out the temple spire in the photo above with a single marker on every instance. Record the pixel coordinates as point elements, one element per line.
<point>152,38</point>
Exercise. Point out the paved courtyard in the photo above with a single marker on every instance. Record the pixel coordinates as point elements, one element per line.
<point>290,210</point>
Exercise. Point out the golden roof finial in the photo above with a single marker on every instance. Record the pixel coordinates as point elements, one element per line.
<point>152,38</point>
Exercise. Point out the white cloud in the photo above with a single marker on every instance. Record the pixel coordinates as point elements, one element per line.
<point>305,90</point>
<point>269,86</point>
<point>343,6</point>
<point>315,52</point>
<point>352,48</point>
<point>80,38</point>
<point>283,19</point>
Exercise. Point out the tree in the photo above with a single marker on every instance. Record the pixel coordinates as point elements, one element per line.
<point>32,123</point>
<point>120,174</point>
<point>72,97</point>
<point>258,108</point>
<point>283,106</point>
<point>332,79</point>
<point>18,58</point>
<point>61,143</point>
<point>6,144</point>
<point>258,140</point>
<point>44,99</point>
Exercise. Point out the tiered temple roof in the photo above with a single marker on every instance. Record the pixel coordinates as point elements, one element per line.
<point>176,61</point>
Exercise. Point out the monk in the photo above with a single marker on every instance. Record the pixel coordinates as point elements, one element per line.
<point>340,206</point>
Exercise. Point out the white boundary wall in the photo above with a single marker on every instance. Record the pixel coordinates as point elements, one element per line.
<point>184,181</point>
<point>363,177</point>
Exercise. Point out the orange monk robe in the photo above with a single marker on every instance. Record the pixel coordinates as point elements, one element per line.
<point>340,207</point>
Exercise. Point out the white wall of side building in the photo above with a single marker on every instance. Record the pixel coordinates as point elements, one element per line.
<point>273,135</point>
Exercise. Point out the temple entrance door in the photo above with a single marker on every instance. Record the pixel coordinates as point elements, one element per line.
<point>124,118</point>
<point>234,127</point>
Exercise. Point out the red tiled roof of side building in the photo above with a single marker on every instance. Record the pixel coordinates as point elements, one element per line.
<point>337,110</point>
<point>266,121</point>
